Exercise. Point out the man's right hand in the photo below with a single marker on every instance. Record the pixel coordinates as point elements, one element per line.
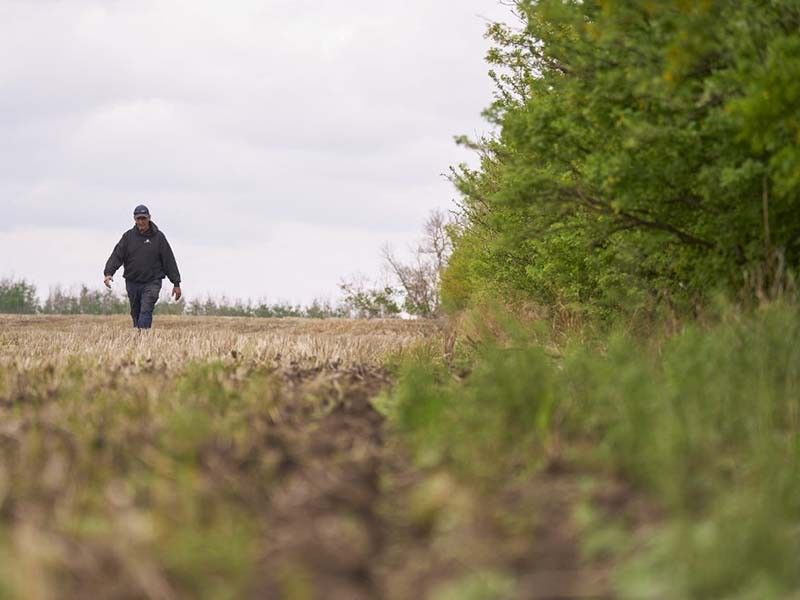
<point>107,281</point>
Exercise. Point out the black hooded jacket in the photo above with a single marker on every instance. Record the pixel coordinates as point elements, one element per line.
<point>147,257</point>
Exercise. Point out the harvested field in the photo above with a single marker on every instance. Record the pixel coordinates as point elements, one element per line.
<point>243,458</point>
<point>178,340</point>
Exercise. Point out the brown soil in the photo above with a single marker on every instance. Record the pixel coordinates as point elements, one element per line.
<point>352,519</point>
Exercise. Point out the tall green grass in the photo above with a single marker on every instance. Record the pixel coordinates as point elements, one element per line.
<point>706,422</point>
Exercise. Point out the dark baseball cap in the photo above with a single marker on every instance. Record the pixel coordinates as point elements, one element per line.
<point>141,211</point>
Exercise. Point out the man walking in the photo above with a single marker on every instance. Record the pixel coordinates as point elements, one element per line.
<point>148,258</point>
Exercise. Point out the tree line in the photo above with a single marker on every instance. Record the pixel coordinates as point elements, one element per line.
<point>410,287</point>
<point>646,154</point>
<point>20,297</point>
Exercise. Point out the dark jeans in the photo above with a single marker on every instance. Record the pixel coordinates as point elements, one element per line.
<point>143,298</point>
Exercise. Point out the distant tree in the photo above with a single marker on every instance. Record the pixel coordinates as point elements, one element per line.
<point>84,302</point>
<point>167,307</point>
<point>419,279</point>
<point>323,309</point>
<point>366,301</point>
<point>282,310</point>
<point>18,297</point>
<point>226,307</point>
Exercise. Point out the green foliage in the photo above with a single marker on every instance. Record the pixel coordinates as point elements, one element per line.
<point>17,297</point>
<point>501,412</point>
<point>322,309</point>
<point>225,307</point>
<point>85,302</point>
<point>712,427</point>
<point>478,586</point>
<point>369,302</point>
<point>707,422</point>
<point>644,150</point>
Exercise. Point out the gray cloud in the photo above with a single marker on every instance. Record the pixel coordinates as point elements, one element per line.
<point>333,121</point>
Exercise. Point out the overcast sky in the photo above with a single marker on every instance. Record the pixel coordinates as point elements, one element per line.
<point>278,143</point>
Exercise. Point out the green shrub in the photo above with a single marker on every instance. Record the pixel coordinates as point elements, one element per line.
<point>707,422</point>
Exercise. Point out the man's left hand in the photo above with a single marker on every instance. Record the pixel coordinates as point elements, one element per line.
<point>177,293</point>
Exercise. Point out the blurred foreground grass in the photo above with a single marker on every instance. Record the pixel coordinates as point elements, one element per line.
<point>237,458</point>
<point>702,426</point>
<point>154,464</point>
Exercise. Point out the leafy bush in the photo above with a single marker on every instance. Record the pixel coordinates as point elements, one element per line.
<point>644,150</point>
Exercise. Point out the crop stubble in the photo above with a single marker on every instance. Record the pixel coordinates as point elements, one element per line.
<point>233,458</point>
<point>206,458</point>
